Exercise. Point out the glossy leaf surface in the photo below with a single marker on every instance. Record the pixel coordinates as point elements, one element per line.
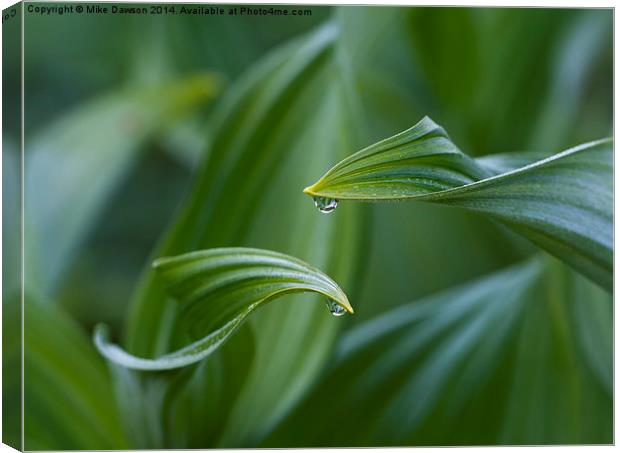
<point>218,289</point>
<point>563,203</point>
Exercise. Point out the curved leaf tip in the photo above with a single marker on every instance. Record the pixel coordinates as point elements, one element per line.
<point>562,203</point>
<point>414,162</point>
<point>196,275</point>
<point>217,290</point>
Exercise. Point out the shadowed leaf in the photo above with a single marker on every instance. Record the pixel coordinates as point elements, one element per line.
<point>482,363</point>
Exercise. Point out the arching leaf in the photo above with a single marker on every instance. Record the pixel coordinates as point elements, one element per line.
<point>562,203</point>
<point>244,195</point>
<point>218,289</point>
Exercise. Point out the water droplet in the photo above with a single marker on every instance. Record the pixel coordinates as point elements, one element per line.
<point>335,308</point>
<point>326,205</point>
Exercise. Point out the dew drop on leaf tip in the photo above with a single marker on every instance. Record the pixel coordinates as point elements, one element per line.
<point>335,308</point>
<point>326,205</point>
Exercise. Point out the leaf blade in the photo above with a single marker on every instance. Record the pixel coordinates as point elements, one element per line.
<point>562,203</point>
<point>65,380</point>
<point>235,281</point>
<point>248,180</point>
<point>479,363</point>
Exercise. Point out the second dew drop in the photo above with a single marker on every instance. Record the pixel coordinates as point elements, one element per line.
<point>335,308</point>
<point>326,205</point>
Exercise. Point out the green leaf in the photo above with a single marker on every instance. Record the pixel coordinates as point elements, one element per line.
<point>75,163</point>
<point>197,412</point>
<point>562,203</point>
<point>65,381</point>
<point>218,289</point>
<point>482,363</point>
<point>296,115</point>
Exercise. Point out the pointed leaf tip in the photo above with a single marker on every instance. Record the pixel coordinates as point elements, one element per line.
<point>562,203</point>
<point>218,289</point>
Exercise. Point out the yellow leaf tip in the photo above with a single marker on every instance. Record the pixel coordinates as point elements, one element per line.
<point>308,190</point>
<point>347,306</point>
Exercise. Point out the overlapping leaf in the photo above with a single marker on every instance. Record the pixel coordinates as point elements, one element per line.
<point>494,51</point>
<point>295,116</point>
<point>483,363</point>
<point>219,289</point>
<point>562,203</point>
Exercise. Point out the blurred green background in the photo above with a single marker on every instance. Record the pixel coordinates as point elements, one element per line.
<point>214,124</point>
